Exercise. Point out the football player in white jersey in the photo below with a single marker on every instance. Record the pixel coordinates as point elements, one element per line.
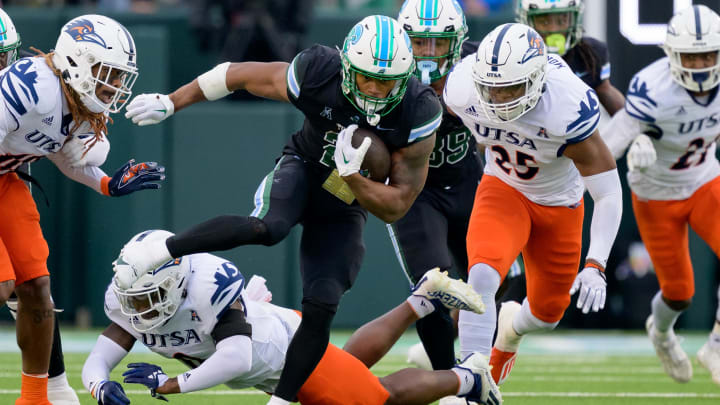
<point>194,309</point>
<point>671,121</point>
<point>47,100</point>
<point>538,122</point>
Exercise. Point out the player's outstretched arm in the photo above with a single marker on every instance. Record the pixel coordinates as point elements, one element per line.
<point>408,171</point>
<point>111,347</point>
<point>620,132</point>
<point>597,166</point>
<point>260,79</point>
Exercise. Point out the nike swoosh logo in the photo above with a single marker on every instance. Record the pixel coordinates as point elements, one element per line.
<point>344,158</point>
<point>581,74</point>
<point>162,111</point>
<point>384,129</point>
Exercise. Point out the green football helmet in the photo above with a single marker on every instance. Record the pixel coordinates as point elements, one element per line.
<point>378,48</point>
<point>9,40</point>
<point>428,23</point>
<point>557,41</point>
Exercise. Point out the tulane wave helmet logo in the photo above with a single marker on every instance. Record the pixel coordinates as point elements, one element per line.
<point>356,34</point>
<point>84,30</point>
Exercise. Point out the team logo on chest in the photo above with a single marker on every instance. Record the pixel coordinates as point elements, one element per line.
<point>326,113</point>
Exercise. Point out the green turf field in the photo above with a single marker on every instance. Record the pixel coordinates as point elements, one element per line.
<point>566,377</point>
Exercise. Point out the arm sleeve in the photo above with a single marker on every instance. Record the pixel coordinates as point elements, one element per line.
<point>620,131</point>
<point>90,176</point>
<point>232,358</point>
<point>606,192</point>
<point>102,359</point>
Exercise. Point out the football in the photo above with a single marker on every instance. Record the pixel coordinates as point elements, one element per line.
<point>376,165</point>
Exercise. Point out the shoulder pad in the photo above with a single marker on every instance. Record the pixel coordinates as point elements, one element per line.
<point>30,85</point>
<point>643,91</point>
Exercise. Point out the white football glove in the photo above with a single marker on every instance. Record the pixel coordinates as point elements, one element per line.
<point>147,109</point>
<point>137,258</point>
<point>591,283</point>
<point>641,154</point>
<point>348,159</point>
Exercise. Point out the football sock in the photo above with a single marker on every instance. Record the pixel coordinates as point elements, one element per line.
<point>34,388</point>
<point>437,333</point>
<point>57,362</point>
<point>714,340</point>
<point>476,330</point>
<point>525,322</point>
<point>306,348</point>
<point>466,378</point>
<point>421,305</point>
<point>220,233</point>
<point>664,317</point>
<point>58,381</point>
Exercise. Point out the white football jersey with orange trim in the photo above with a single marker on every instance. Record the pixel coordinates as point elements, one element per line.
<point>683,130</point>
<point>213,284</point>
<point>527,153</point>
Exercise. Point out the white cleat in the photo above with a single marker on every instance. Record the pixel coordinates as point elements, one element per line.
<point>452,400</point>
<point>484,390</point>
<point>452,293</point>
<point>418,357</point>
<point>673,358</point>
<point>710,359</point>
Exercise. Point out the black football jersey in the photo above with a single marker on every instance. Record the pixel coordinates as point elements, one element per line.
<point>601,68</point>
<point>454,144</point>
<point>314,81</point>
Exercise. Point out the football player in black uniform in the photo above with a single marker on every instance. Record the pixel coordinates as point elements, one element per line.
<point>367,84</point>
<point>560,24</point>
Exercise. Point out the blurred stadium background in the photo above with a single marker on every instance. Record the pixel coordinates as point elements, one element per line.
<point>216,153</point>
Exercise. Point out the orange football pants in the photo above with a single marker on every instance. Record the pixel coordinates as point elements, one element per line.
<point>342,379</point>
<point>23,250</point>
<point>504,223</point>
<point>663,227</point>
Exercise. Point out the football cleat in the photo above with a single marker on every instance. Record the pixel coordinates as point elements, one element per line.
<point>506,346</point>
<point>418,357</point>
<point>453,400</point>
<point>452,293</point>
<point>673,358</point>
<point>710,359</point>
<point>484,390</point>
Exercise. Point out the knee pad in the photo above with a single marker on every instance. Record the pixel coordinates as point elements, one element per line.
<point>317,316</point>
<point>325,291</point>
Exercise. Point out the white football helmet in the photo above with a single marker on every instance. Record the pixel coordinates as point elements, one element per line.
<point>154,297</point>
<point>376,47</point>
<point>427,21</point>
<point>511,58</point>
<point>693,30</point>
<point>557,42</point>
<point>9,40</point>
<point>97,41</point>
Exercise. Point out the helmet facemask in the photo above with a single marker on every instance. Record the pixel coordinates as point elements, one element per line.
<point>694,79</point>
<point>373,107</point>
<point>152,300</point>
<point>8,55</point>
<point>558,41</point>
<point>526,93</point>
<point>116,80</point>
<point>444,49</point>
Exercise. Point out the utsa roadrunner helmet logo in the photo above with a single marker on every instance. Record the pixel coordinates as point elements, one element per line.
<point>536,47</point>
<point>84,30</point>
